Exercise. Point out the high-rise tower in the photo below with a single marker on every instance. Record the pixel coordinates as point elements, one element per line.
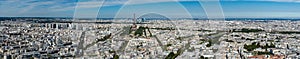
<point>134,26</point>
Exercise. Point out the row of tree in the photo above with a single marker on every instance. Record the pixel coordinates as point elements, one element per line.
<point>255,45</point>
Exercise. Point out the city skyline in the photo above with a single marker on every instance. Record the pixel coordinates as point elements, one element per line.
<point>149,29</point>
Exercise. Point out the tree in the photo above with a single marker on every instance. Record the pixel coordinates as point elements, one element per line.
<point>209,43</point>
<point>115,56</point>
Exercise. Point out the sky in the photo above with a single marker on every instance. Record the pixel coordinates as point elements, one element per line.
<point>169,8</point>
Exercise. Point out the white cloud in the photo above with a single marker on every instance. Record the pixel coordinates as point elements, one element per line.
<point>33,5</point>
<point>55,6</point>
<point>63,9</point>
<point>89,4</point>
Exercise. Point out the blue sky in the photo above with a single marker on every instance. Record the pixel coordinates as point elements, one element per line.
<point>110,8</point>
